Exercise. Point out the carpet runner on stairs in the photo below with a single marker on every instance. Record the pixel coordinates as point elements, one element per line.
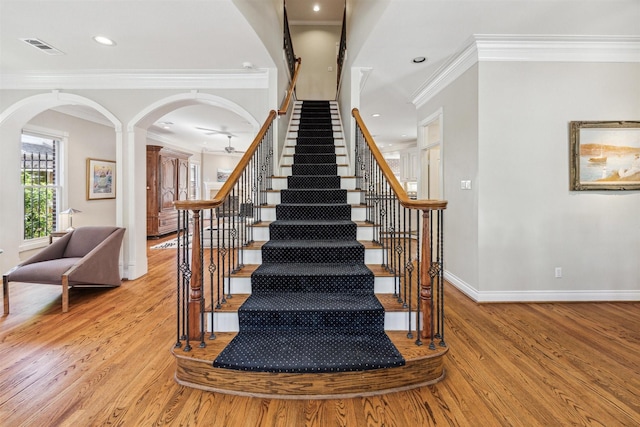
<point>312,306</point>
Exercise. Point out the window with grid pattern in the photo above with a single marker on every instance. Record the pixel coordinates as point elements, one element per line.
<point>39,177</point>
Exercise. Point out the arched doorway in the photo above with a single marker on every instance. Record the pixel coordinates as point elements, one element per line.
<point>134,157</point>
<point>12,122</point>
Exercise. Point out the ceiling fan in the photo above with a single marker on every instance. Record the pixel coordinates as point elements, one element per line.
<point>215,131</point>
<point>229,148</point>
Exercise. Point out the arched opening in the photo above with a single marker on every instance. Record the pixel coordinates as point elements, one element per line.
<point>200,134</point>
<point>55,113</point>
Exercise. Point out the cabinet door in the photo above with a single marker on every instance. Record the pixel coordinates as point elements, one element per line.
<point>183,179</point>
<point>168,171</point>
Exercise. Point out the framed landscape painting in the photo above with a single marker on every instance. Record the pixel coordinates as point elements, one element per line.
<point>101,179</point>
<point>605,155</point>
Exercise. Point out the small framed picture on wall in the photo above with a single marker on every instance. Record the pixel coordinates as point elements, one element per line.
<point>101,179</point>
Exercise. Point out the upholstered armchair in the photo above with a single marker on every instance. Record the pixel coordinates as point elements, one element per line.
<point>86,256</point>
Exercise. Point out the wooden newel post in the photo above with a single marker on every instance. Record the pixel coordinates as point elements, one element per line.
<point>425,278</point>
<point>195,294</point>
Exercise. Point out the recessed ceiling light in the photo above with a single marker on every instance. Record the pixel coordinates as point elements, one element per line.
<point>316,8</point>
<point>375,115</point>
<point>419,59</point>
<point>105,41</point>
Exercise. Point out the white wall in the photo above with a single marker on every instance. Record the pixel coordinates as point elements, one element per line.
<point>529,222</point>
<point>85,140</point>
<point>316,45</point>
<point>506,130</point>
<point>459,151</point>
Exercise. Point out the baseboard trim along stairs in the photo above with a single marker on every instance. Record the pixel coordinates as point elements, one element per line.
<point>313,313</point>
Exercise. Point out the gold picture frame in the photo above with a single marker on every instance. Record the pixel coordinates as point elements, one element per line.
<point>604,155</point>
<point>101,179</point>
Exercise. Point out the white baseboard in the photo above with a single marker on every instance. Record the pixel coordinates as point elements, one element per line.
<point>541,296</point>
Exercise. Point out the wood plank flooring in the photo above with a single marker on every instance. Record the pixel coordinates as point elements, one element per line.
<point>108,362</point>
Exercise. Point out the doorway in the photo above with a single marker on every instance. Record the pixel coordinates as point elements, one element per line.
<point>430,145</point>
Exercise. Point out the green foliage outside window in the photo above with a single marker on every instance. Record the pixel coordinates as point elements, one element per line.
<point>38,207</point>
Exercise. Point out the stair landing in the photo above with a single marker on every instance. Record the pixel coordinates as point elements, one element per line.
<point>423,367</point>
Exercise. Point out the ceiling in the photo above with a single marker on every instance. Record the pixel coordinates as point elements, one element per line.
<point>384,37</point>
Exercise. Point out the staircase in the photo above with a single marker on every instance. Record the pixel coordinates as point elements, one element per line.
<point>311,324</point>
<point>312,307</point>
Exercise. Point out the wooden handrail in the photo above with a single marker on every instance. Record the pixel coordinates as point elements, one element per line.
<point>401,194</point>
<point>287,100</point>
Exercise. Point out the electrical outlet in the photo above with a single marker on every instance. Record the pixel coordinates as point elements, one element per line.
<point>558,272</point>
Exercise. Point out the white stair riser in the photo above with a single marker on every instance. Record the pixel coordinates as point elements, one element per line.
<point>254,256</point>
<point>242,285</point>
<point>357,214</point>
<point>346,183</point>
<point>261,234</point>
<point>353,198</point>
<point>288,160</point>
<point>291,149</point>
<point>285,170</point>
<point>228,322</point>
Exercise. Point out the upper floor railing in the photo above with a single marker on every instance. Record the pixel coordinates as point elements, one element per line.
<point>411,235</point>
<point>342,49</point>
<point>288,46</point>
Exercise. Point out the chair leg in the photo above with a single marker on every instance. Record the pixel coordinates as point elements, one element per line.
<point>5,294</point>
<point>65,293</point>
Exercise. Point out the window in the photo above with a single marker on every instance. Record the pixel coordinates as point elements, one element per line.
<point>39,175</point>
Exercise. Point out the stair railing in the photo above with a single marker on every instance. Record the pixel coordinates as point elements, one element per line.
<point>410,234</point>
<point>213,233</point>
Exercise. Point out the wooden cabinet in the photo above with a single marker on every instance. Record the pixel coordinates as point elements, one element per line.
<point>167,181</point>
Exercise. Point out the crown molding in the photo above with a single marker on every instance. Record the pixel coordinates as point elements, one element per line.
<point>134,79</point>
<point>528,48</point>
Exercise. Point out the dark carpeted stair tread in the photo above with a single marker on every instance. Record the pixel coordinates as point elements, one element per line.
<point>314,158</point>
<point>314,243</point>
<point>321,229</point>
<point>314,211</point>
<point>313,181</point>
<point>327,270</point>
<point>306,222</point>
<point>314,351</point>
<point>313,196</point>
<point>354,278</point>
<point>315,140</point>
<point>311,301</point>
<point>310,250</point>
<point>315,169</point>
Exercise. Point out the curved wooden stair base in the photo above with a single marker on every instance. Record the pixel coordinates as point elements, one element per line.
<point>423,367</point>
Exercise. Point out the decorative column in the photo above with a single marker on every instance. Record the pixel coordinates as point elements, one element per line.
<point>195,283</point>
<point>426,284</point>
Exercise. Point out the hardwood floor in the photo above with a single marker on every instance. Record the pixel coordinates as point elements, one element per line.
<point>108,362</point>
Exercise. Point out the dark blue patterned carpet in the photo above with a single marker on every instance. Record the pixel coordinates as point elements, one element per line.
<point>312,307</point>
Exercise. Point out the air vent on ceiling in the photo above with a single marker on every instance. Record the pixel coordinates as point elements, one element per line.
<point>42,46</point>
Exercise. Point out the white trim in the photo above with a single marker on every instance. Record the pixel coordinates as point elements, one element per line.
<point>559,296</point>
<point>111,79</point>
<point>541,295</point>
<point>461,285</point>
<point>556,48</point>
<point>528,48</point>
